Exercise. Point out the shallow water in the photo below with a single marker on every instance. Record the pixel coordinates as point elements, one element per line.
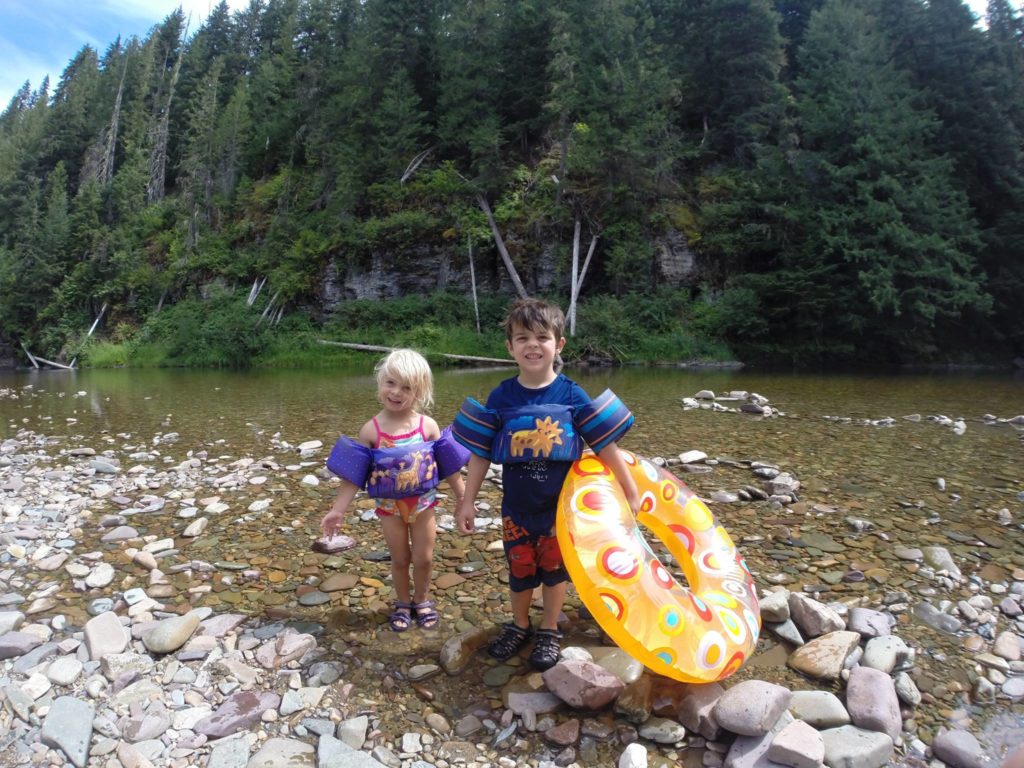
<point>886,475</point>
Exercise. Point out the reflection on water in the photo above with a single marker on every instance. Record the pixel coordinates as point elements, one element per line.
<point>902,461</point>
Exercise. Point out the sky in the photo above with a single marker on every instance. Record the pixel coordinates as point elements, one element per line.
<point>39,37</point>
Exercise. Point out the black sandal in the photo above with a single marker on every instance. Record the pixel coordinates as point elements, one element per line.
<point>509,641</point>
<point>400,618</point>
<point>546,649</point>
<point>426,616</point>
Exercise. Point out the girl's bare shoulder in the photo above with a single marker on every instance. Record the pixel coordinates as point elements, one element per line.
<point>430,429</point>
<point>368,434</point>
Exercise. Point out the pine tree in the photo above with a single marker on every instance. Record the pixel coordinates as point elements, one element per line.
<point>892,232</point>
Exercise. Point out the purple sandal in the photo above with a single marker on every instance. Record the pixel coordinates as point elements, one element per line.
<point>426,616</point>
<point>401,617</point>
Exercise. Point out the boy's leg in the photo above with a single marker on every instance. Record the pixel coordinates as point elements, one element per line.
<point>554,600</point>
<point>424,534</point>
<point>521,607</point>
<point>396,535</point>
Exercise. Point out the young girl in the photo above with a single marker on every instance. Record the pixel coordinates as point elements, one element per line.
<point>399,456</point>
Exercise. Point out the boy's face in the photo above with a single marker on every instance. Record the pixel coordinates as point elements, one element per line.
<point>534,350</point>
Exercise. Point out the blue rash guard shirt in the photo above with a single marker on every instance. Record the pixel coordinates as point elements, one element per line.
<point>531,488</point>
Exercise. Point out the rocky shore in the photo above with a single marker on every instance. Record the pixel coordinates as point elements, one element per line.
<point>162,606</point>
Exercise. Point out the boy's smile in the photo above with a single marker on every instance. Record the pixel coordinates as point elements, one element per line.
<point>534,351</point>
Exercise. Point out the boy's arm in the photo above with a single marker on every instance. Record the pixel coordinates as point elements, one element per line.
<point>612,456</point>
<point>458,486</point>
<point>465,513</point>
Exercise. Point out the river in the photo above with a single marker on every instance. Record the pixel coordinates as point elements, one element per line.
<point>869,448</point>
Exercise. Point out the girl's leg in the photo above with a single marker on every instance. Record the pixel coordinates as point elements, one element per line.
<point>424,534</point>
<point>396,535</point>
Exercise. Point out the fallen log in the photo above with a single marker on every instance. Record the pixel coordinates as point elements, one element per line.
<point>375,348</point>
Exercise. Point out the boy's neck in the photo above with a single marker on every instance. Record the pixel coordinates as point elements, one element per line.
<point>540,383</point>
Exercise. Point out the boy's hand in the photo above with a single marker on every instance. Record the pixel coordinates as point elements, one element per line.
<point>332,522</point>
<point>634,502</point>
<point>465,516</point>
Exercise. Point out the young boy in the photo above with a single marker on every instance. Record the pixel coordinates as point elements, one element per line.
<point>533,424</point>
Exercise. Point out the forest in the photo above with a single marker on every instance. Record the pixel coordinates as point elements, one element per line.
<point>847,176</point>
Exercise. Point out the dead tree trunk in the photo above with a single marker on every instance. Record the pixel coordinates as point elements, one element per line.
<point>500,242</point>
<point>472,283</point>
<point>577,282</point>
<point>158,155</point>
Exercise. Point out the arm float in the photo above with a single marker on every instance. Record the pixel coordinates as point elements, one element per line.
<point>604,421</point>
<point>475,427</point>
<point>350,461</point>
<point>397,473</point>
<point>449,454</point>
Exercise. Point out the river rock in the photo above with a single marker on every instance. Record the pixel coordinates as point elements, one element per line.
<point>872,702</point>
<point>283,753</point>
<point>582,684</point>
<point>851,747</point>
<point>10,620</point>
<point>104,634</point>
<point>458,650</point>
<point>959,749</point>
<point>869,623</point>
<point>813,618</point>
<point>1007,646</point>
<point>824,657</point>
<point>751,707</point>
<point>100,576</point>
<point>775,606</point>
<point>887,653</point>
<point>170,634</point>
<point>940,559</point>
<point>68,727</point>
<point>696,709</point>
<point>798,745</point>
<point>821,709</point>
<point>238,711</point>
<point>13,644</point>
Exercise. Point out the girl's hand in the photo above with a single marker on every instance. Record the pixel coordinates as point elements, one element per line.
<point>332,522</point>
<point>465,515</point>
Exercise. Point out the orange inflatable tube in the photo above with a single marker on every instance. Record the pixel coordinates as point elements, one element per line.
<point>697,633</point>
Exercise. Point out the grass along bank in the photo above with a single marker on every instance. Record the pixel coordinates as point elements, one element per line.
<point>222,330</point>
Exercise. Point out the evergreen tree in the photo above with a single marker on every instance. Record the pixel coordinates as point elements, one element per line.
<point>891,232</point>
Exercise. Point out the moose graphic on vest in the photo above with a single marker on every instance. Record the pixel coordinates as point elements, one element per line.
<point>540,440</point>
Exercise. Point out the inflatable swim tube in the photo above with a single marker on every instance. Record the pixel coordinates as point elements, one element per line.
<point>695,634</point>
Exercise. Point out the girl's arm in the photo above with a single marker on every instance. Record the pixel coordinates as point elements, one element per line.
<point>335,518</point>
<point>611,456</point>
<point>465,512</point>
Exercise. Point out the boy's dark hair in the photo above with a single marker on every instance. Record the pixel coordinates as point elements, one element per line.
<point>534,315</point>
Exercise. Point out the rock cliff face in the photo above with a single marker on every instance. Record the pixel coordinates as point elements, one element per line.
<point>428,268</point>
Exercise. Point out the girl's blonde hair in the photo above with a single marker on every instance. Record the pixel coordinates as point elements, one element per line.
<point>410,367</point>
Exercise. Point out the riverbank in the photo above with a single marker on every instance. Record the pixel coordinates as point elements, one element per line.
<point>224,330</point>
<point>164,583</point>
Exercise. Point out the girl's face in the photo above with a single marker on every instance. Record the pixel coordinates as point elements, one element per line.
<point>534,352</point>
<point>395,395</point>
